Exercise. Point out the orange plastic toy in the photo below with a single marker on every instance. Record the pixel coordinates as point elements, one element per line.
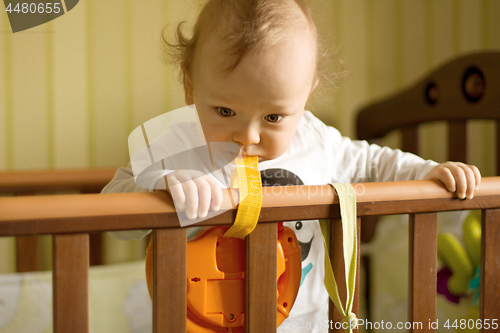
<point>216,279</point>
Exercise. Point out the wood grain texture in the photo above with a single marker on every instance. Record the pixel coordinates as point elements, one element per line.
<point>23,183</point>
<point>86,180</point>
<point>489,304</point>
<point>337,258</point>
<point>169,281</point>
<point>70,272</point>
<point>28,254</point>
<point>260,276</point>
<point>127,211</point>
<point>422,270</point>
<point>89,221</point>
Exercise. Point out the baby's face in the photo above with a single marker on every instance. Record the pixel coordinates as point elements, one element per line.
<point>259,104</point>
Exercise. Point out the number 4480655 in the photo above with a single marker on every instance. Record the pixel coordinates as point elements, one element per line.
<point>34,8</point>
<point>472,324</point>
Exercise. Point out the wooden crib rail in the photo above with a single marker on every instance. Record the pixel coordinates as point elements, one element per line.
<point>22,183</point>
<point>70,218</point>
<point>83,180</point>
<point>126,211</point>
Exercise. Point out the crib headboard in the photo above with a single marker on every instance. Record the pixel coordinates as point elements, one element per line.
<point>466,88</point>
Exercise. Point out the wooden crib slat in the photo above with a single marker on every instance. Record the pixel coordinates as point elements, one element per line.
<point>169,280</point>
<point>497,148</point>
<point>260,276</point>
<point>96,250</point>
<point>70,260</point>
<point>27,247</point>
<point>457,141</point>
<point>337,258</point>
<point>422,270</point>
<point>490,267</point>
<point>28,255</point>
<point>410,138</point>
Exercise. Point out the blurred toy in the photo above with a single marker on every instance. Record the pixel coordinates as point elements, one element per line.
<point>459,263</point>
<point>460,275</point>
<point>454,257</point>
<point>216,279</point>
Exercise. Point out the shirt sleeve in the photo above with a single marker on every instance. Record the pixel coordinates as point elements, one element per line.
<point>358,161</point>
<point>372,163</point>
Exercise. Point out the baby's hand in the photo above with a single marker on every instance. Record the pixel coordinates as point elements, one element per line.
<point>194,192</point>
<point>457,176</point>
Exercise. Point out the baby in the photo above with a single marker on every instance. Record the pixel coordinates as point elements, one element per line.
<point>249,69</point>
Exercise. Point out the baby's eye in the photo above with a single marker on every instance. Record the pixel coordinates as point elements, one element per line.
<point>225,112</point>
<point>273,118</point>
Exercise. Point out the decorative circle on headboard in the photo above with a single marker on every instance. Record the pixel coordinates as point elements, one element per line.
<point>431,93</point>
<point>473,84</point>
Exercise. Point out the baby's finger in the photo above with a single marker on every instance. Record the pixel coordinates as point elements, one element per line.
<point>177,193</point>
<point>470,181</point>
<point>216,193</point>
<point>460,178</point>
<point>477,175</point>
<point>204,193</point>
<point>446,176</point>
<point>191,192</point>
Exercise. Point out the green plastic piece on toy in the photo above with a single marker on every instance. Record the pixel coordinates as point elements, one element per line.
<point>453,255</point>
<point>472,237</point>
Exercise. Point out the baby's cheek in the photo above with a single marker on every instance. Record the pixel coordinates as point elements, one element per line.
<point>279,144</point>
<point>218,135</point>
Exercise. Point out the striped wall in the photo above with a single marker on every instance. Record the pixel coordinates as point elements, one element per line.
<point>73,89</point>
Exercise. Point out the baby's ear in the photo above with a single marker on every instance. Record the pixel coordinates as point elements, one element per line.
<point>188,90</point>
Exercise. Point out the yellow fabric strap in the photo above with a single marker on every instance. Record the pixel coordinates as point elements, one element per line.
<point>347,198</point>
<point>249,183</point>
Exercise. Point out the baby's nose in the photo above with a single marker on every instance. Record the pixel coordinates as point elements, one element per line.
<point>247,135</point>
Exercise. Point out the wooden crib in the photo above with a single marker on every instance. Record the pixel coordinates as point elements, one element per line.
<point>23,183</point>
<point>70,219</point>
<point>74,219</point>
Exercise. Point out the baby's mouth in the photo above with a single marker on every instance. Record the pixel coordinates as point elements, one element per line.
<point>244,154</point>
<point>260,158</point>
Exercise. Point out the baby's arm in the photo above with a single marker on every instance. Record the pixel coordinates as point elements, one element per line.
<point>375,163</point>
<point>457,177</point>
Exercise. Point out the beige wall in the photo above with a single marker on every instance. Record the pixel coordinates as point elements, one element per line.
<point>73,89</point>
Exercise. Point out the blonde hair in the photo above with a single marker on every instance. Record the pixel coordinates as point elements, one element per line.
<point>246,25</point>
